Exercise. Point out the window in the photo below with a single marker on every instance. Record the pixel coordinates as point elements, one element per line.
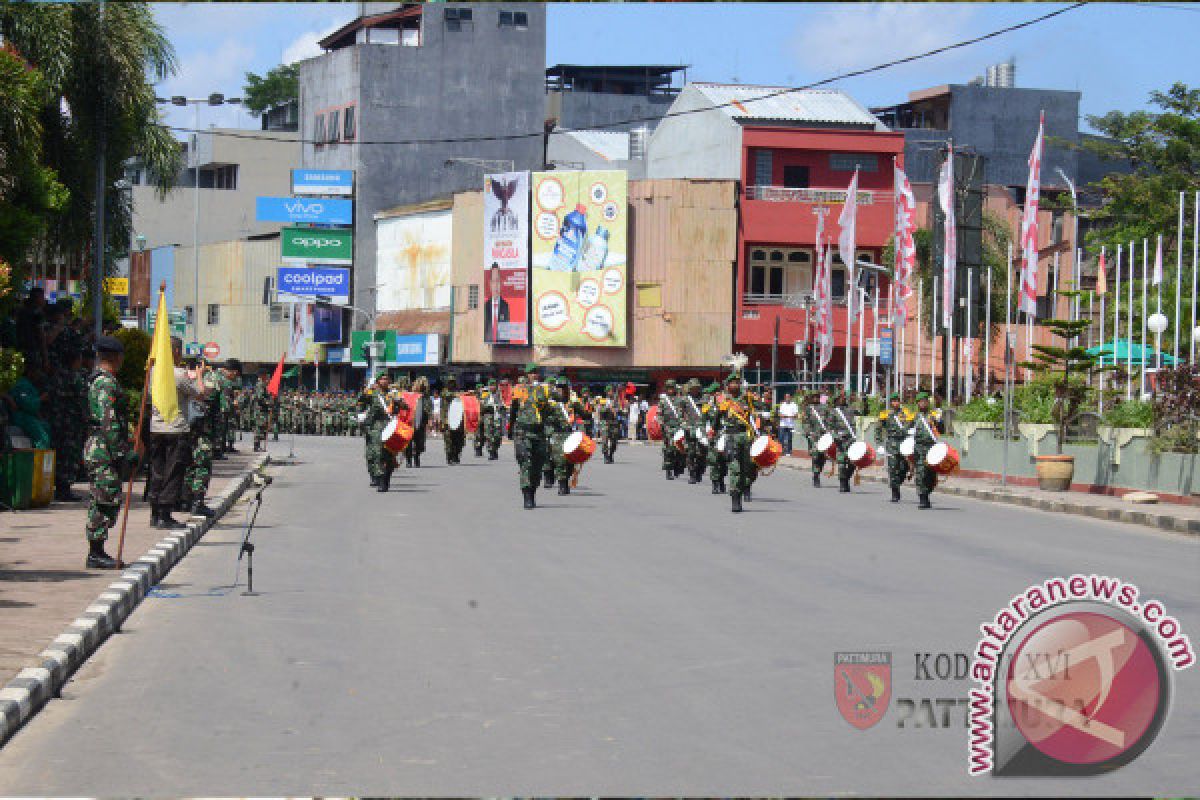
<point>847,162</point>
<point>514,19</point>
<point>348,124</point>
<point>335,127</point>
<point>778,272</point>
<point>795,177</point>
<point>763,167</point>
<point>319,130</point>
<point>187,313</point>
<point>225,177</point>
<point>473,296</point>
<point>459,19</point>
<point>214,314</point>
<point>276,312</point>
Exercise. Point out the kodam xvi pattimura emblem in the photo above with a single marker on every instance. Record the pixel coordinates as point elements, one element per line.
<point>862,686</point>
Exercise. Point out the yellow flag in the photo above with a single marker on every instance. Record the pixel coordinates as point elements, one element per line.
<point>162,386</point>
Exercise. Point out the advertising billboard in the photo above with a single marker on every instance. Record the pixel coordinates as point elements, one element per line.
<point>332,283</point>
<point>324,211</point>
<point>399,349</point>
<point>327,325</point>
<point>302,332</point>
<point>579,253</point>
<point>323,181</point>
<point>412,261</point>
<point>301,246</point>
<point>506,258</point>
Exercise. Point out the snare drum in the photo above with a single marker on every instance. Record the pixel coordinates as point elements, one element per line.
<point>827,445</point>
<point>722,443</point>
<point>396,435</point>
<point>765,451</point>
<point>578,447</point>
<point>679,440</point>
<point>908,448</point>
<point>455,414</point>
<point>942,458</point>
<point>861,454</point>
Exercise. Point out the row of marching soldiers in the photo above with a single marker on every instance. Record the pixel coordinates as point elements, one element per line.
<point>722,430</point>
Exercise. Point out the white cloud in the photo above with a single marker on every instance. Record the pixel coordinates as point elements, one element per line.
<point>302,47</point>
<point>852,36</point>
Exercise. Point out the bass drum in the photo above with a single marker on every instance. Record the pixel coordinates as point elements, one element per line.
<point>471,412</point>
<point>861,454</point>
<point>827,445</point>
<point>765,452</point>
<point>415,415</point>
<point>455,414</point>
<point>396,435</point>
<point>942,458</point>
<point>578,447</point>
<point>654,424</point>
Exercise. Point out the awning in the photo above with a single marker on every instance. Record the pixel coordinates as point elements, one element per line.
<point>1125,349</point>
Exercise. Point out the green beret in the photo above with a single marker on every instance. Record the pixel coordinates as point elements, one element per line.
<point>894,396</point>
<point>922,396</point>
<point>713,388</point>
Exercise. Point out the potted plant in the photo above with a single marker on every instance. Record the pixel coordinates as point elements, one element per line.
<point>1070,366</point>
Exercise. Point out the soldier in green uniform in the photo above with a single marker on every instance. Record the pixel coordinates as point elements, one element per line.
<point>529,441</point>
<point>421,417</point>
<point>925,430</point>
<point>842,426</point>
<point>382,404</point>
<point>108,453</point>
<point>694,422</point>
<point>734,418</point>
<point>231,379</point>
<point>490,409</point>
<point>203,440</point>
<point>262,409</point>
<point>718,465</point>
<point>815,418</point>
<point>894,424</point>
<point>557,422</point>
<point>670,417</point>
<point>608,426</point>
<point>453,439</point>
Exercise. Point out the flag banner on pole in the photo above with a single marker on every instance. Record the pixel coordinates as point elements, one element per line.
<point>825,308</point>
<point>847,241</point>
<point>1029,226</point>
<point>162,384</point>
<point>1157,275</point>
<point>950,238</point>
<point>906,249</point>
<point>1102,276</point>
<point>277,378</point>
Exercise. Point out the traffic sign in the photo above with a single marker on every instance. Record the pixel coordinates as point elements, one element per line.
<point>192,349</point>
<point>212,350</point>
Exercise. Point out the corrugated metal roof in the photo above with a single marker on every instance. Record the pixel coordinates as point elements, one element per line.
<point>824,106</point>
<point>414,321</point>
<point>610,145</point>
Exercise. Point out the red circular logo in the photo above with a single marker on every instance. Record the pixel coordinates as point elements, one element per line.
<point>1084,688</point>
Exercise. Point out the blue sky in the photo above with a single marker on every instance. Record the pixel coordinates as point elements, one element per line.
<point>1114,54</point>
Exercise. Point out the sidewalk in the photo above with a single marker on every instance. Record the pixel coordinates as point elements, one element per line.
<point>43,582</point>
<point>1163,516</point>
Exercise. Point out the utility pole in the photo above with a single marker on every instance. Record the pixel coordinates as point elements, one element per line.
<point>101,183</point>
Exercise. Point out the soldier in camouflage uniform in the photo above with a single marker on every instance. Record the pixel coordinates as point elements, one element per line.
<point>108,454</point>
<point>608,427</point>
<point>926,428</point>
<point>670,417</point>
<point>231,378</point>
<point>453,439</point>
<point>693,421</point>
<point>841,420</point>
<point>734,416</point>
<point>557,422</point>
<point>894,424</point>
<point>815,418</point>
<point>718,464</point>
<point>412,453</point>
<point>204,432</point>
<point>490,409</point>
<point>263,407</point>
<point>530,441</point>
<point>382,403</point>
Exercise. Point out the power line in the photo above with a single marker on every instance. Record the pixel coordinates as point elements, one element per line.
<point>634,120</point>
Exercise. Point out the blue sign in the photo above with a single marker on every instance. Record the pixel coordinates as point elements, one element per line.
<point>416,348</point>
<point>323,181</point>
<point>327,325</point>
<point>885,346</point>
<point>330,282</point>
<point>324,211</point>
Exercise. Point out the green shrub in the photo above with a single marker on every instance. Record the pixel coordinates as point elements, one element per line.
<point>1130,414</point>
<point>980,410</point>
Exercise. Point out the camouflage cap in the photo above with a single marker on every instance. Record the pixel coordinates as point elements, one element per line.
<point>694,383</point>
<point>671,384</point>
<point>894,396</point>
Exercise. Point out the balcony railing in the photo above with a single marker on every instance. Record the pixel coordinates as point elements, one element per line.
<point>796,300</point>
<point>784,194</point>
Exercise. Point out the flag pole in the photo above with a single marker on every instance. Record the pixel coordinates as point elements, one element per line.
<point>920,333</point>
<point>987,336</point>
<point>1178,278</point>
<point>1100,375</point>
<point>1145,278</point>
<point>1129,333</point>
<point>1195,259</point>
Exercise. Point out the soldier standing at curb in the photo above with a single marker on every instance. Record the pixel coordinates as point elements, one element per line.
<point>261,402</point>
<point>894,424</point>
<point>203,430</point>
<point>108,452</point>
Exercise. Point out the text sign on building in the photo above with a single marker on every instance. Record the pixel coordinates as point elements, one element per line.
<point>400,350</point>
<point>332,283</point>
<point>506,258</point>
<point>117,286</point>
<point>324,211</point>
<point>302,246</point>
<point>323,181</point>
<point>885,346</point>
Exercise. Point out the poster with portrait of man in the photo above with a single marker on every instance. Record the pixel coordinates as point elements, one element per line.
<point>505,304</point>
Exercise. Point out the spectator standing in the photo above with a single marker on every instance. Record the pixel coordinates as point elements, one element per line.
<point>170,445</point>
<point>788,412</point>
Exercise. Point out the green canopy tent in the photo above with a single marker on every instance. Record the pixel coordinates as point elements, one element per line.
<point>1139,353</point>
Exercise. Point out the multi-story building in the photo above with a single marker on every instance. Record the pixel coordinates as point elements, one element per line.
<point>793,154</point>
<point>420,100</point>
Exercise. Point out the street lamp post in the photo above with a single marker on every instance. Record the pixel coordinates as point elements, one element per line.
<point>1157,324</point>
<point>214,99</point>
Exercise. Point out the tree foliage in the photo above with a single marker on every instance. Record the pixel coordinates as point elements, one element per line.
<point>278,86</point>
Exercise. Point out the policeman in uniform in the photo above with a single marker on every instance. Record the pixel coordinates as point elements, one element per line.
<point>894,425</point>
<point>734,418</point>
<point>842,427</point>
<point>108,453</point>
<point>815,418</point>
<point>529,440</point>
<point>925,430</point>
<point>670,416</point>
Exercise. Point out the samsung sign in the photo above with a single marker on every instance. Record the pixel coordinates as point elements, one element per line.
<point>302,246</point>
<point>323,181</point>
<point>326,282</point>
<point>330,211</point>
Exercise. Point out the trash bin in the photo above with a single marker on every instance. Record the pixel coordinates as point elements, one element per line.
<point>17,474</point>
<point>43,478</point>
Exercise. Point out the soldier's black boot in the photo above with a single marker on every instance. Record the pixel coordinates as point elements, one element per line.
<point>479,452</point>
<point>98,559</point>
<point>493,456</point>
<point>670,471</point>
<point>374,481</point>
<point>385,481</point>
<point>717,487</point>
<point>843,485</point>
<point>563,486</point>
<point>723,489</point>
<point>895,494</point>
<point>200,509</point>
<point>747,495</point>
<point>417,461</point>
<point>817,479</point>
<point>737,501</point>
<point>164,521</point>
<point>923,498</point>
<point>528,495</point>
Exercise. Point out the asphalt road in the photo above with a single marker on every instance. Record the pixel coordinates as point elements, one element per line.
<point>634,638</point>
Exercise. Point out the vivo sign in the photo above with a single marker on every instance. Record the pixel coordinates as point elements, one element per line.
<point>292,209</point>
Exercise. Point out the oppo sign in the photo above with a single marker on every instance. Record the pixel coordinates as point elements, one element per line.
<point>317,246</point>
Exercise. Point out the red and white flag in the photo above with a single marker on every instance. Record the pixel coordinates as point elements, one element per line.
<point>823,290</point>
<point>906,249</point>
<point>950,238</point>
<point>1156,276</point>
<point>1102,276</point>
<point>1027,301</point>
<point>847,241</point>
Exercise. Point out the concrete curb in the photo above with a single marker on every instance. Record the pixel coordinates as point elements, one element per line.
<point>33,686</point>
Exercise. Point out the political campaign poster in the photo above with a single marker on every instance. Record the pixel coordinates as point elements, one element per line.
<point>505,303</point>
<point>579,253</point>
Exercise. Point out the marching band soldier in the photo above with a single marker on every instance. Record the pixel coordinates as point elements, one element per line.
<point>384,403</point>
<point>262,405</point>
<point>490,407</point>
<point>718,465</point>
<point>842,427</point>
<point>581,411</point>
<point>412,453</point>
<point>108,453</point>
<point>478,436</point>
<point>735,414</point>
<point>815,418</point>
<point>203,435</point>
<point>693,416</point>
<point>671,420</point>
<point>925,430</point>
<point>894,424</point>
<point>454,439</point>
<point>558,426</point>
<point>529,441</point>
<point>608,428</point>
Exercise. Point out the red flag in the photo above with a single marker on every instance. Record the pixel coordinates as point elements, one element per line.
<point>1102,275</point>
<point>277,378</point>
